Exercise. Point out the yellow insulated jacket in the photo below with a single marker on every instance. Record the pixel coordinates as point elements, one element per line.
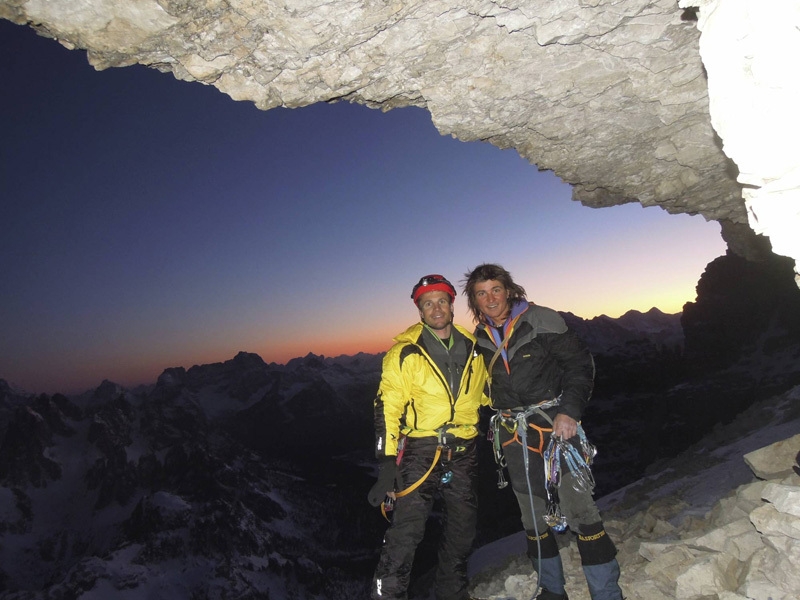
<point>415,400</point>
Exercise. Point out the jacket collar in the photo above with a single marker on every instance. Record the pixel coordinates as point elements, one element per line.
<point>411,335</point>
<point>519,307</point>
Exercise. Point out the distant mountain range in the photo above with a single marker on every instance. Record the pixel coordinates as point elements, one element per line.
<point>605,335</point>
<point>223,480</point>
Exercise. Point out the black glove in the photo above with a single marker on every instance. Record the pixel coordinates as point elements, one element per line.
<point>385,483</point>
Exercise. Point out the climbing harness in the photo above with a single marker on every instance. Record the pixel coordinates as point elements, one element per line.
<point>556,455</point>
<point>444,452</point>
<point>510,421</point>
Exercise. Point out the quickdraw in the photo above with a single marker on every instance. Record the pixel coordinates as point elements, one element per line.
<point>553,516</point>
<point>497,449</point>
<point>578,462</point>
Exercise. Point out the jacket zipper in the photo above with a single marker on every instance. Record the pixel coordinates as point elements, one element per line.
<point>443,381</point>
<point>470,360</point>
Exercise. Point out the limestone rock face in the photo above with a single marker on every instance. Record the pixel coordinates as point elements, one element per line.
<point>611,95</point>
<point>748,50</point>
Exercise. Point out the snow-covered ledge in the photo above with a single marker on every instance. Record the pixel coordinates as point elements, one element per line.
<point>750,51</point>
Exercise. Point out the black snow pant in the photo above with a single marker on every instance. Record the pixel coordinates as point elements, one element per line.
<point>411,513</point>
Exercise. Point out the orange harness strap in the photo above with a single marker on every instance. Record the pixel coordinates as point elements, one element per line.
<point>540,430</point>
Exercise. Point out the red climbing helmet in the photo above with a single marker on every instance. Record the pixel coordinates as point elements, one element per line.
<point>433,283</point>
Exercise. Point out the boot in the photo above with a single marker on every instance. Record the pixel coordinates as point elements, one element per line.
<point>547,595</point>
<point>603,580</point>
<point>551,577</point>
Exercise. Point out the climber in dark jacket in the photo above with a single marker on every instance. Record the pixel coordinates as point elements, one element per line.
<point>541,374</point>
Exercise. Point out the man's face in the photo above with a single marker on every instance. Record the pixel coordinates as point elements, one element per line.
<point>491,297</point>
<point>436,311</point>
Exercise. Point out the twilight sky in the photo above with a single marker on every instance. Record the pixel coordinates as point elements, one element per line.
<point>150,223</point>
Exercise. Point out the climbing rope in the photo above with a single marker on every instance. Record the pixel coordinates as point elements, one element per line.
<point>522,429</point>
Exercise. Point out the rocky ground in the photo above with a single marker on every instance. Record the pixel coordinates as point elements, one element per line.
<point>719,521</point>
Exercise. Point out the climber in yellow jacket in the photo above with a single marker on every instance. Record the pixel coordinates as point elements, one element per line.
<point>426,425</point>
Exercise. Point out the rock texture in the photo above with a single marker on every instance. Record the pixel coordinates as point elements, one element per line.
<point>747,546</point>
<point>611,95</point>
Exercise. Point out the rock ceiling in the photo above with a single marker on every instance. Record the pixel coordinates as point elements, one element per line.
<point>611,95</point>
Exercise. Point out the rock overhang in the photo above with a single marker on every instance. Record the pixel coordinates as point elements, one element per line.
<point>612,96</point>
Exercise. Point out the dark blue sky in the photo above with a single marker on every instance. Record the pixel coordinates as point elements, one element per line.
<point>150,223</point>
